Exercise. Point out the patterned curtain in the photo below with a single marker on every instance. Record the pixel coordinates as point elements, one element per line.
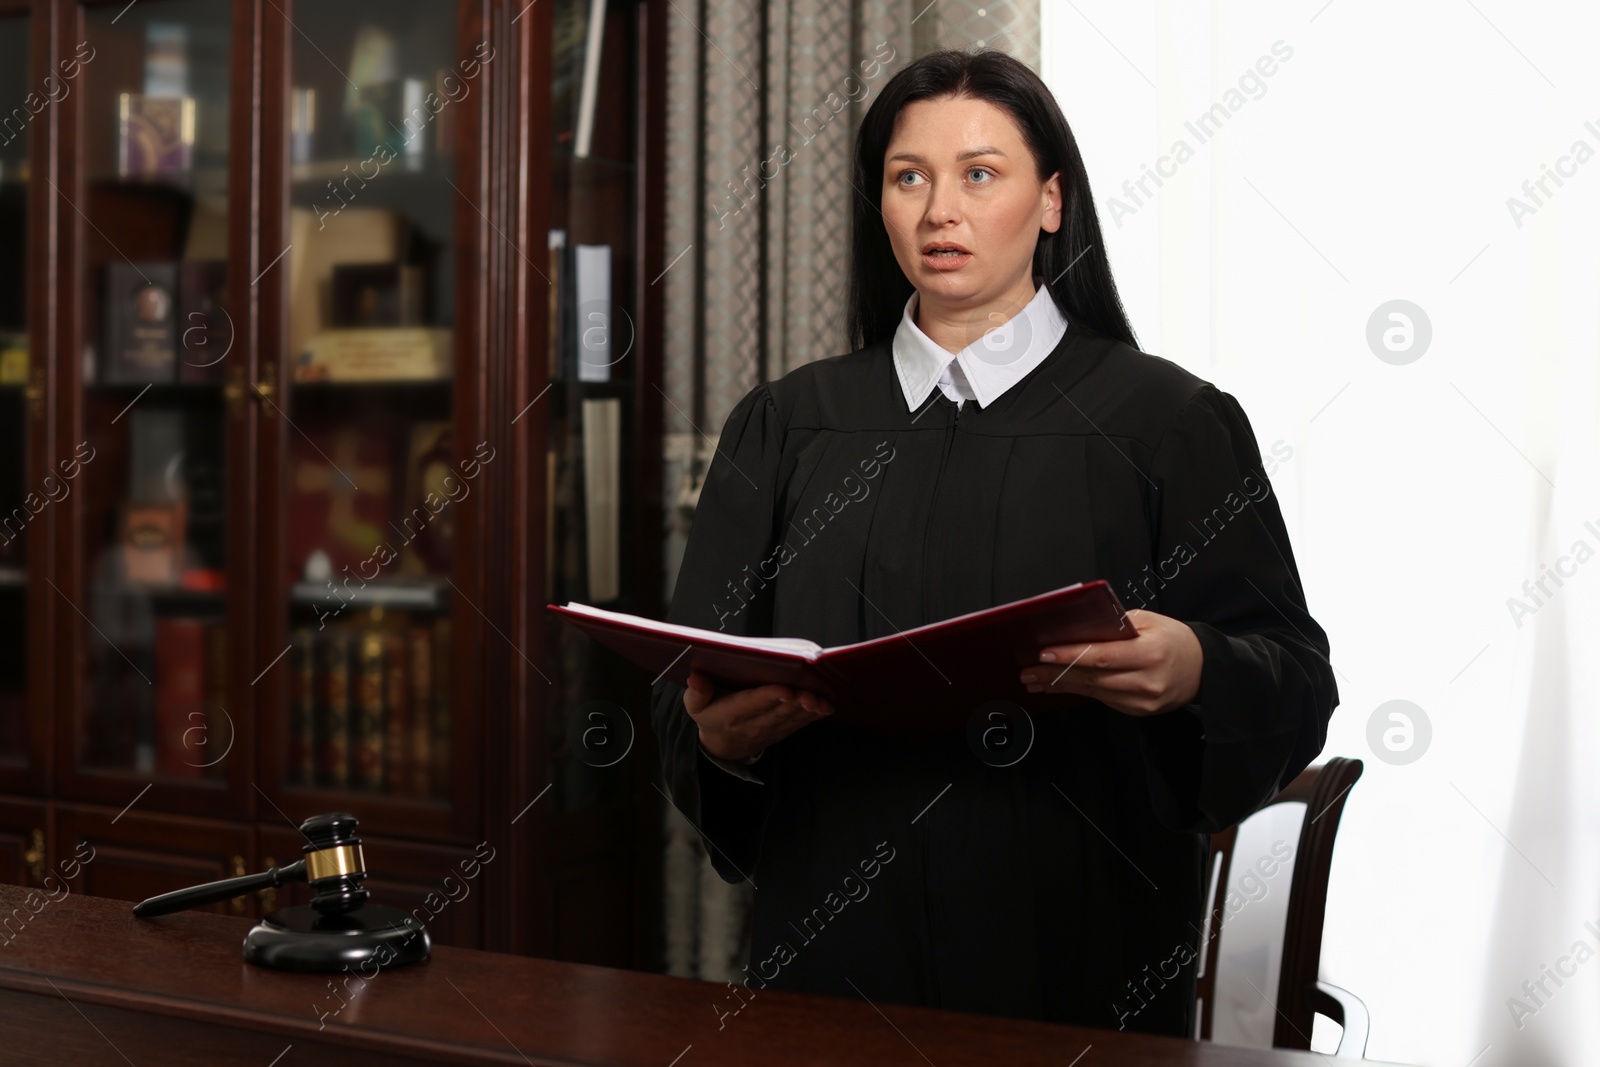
<point>764,99</point>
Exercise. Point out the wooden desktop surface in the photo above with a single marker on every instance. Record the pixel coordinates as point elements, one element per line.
<point>84,982</point>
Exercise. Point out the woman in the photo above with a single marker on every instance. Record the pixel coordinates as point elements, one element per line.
<point>994,435</point>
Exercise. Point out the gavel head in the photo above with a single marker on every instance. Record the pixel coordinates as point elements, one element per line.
<point>334,865</point>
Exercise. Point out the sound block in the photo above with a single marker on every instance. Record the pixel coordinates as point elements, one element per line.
<point>300,938</point>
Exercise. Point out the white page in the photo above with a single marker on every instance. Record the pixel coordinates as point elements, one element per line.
<point>796,645</point>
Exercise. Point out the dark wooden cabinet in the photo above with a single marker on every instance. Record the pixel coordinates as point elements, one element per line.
<point>328,358</point>
<point>24,844</point>
<point>27,540</point>
<point>132,855</point>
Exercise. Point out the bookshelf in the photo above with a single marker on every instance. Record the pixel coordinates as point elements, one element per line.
<point>21,539</point>
<point>338,315</point>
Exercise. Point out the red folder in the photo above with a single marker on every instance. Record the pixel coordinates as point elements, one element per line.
<point>926,679</point>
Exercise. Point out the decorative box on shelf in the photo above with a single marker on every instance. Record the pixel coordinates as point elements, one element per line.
<point>376,354</point>
<point>155,135</point>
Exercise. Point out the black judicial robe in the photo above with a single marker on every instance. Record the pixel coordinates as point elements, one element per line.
<point>1067,885</point>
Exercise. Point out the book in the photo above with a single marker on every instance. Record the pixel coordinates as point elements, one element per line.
<point>141,324</point>
<point>366,727</point>
<point>180,710</point>
<point>439,739</point>
<point>419,641</point>
<point>591,356</point>
<point>396,714</point>
<point>602,477</point>
<point>922,680</point>
<point>333,710</point>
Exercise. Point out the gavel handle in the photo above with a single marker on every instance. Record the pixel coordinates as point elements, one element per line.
<point>227,889</point>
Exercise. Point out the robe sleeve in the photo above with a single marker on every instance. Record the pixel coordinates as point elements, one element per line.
<point>1266,684</point>
<point>737,768</point>
<point>732,533</point>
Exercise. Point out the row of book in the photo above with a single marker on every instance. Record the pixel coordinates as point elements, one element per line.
<point>163,709</point>
<point>369,708</point>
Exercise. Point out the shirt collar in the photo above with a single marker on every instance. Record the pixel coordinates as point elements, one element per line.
<point>992,364</point>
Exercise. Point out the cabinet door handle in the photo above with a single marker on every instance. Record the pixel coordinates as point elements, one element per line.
<point>233,392</point>
<point>34,857</point>
<point>236,870</point>
<point>267,387</point>
<point>33,392</point>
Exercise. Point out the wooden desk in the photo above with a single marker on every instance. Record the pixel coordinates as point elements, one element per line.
<point>84,982</point>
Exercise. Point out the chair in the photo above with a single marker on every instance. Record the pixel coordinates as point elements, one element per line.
<point>1322,788</point>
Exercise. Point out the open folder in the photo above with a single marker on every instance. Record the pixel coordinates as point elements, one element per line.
<point>926,679</point>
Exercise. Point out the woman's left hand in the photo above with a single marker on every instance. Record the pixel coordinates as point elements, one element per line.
<point>1154,672</point>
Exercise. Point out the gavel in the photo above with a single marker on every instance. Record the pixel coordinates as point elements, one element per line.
<point>332,866</point>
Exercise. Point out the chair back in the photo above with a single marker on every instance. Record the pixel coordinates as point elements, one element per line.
<point>1322,788</point>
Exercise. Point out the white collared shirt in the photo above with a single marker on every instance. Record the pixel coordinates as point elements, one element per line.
<point>984,369</point>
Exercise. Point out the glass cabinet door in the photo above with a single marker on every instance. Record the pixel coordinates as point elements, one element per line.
<point>22,504</point>
<point>150,578</point>
<point>375,476</point>
<point>591,414</point>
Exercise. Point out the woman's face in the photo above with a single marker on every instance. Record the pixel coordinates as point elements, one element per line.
<point>958,175</point>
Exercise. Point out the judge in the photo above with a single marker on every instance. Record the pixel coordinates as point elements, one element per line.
<point>995,434</point>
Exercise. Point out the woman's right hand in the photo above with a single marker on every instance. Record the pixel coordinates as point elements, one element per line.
<point>740,723</point>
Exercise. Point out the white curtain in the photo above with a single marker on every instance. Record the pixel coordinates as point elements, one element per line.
<point>1317,162</point>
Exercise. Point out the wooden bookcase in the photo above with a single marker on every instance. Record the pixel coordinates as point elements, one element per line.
<point>285,390</point>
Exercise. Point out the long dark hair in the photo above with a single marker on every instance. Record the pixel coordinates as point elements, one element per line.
<point>879,289</point>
